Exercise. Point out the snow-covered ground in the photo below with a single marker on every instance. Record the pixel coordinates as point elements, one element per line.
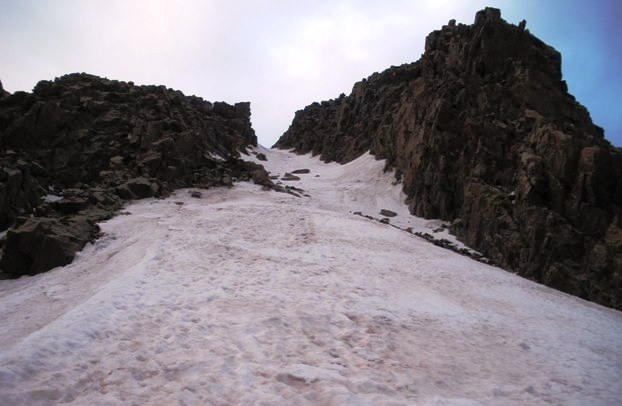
<point>360,186</point>
<point>246,297</point>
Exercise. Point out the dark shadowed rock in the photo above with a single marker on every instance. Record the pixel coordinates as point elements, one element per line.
<point>71,204</point>
<point>483,133</point>
<point>3,93</point>
<point>20,192</point>
<point>261,156</point>
<point>137,188</point>
<point>44,243</point>
<point>301,171</point>
<point>387,213</point>
<point>289,177</point>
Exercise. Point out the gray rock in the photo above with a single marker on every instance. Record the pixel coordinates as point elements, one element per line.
<point>261,177</point>
<point>289,177</point>
<point>226,180</point>
<point>387,213</point>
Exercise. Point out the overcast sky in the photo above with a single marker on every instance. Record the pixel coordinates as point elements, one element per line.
<point>283,55</point>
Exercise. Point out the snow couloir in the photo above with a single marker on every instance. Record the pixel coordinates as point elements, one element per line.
<point>247,297</point>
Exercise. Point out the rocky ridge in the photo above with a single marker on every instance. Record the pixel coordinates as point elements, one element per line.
<point>76,148</point>
<point>483,132</point>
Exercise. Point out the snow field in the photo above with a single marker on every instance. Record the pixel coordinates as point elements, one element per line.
<point>261,298</point>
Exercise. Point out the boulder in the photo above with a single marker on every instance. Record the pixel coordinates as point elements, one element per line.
<point>261,177</point>
<point>137,188</point>
<point>289,177</point>
<point>43,243</point>
<point>387,213</point>
<point>71,205</point>
<point>20,191</point>
<point>226,180</point>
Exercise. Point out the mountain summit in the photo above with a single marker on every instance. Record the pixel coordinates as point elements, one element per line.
<point>483,133</point>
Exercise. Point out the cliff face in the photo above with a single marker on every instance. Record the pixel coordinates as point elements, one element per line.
<point>483,132</point>
<point>73,150</point>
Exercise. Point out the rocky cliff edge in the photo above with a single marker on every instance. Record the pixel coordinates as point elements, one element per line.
<point>76,148</point>
<point>483,132</point>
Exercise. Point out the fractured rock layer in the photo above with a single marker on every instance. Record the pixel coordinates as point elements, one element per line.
<point>482,132</point>
<point>74,149</point>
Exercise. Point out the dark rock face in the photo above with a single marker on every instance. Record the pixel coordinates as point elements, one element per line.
<point>93,143</point>
<point>43,243</point>
<point>482,132</point>
<point>3,93</point>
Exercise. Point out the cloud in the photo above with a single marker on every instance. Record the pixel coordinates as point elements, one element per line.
<point>280,55</point>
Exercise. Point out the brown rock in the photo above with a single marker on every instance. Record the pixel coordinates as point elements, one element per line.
<point>483,133</point>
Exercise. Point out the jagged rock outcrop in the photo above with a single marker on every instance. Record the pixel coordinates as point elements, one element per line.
<point>75,148</point>
<point>3,93</point>
<point>482,132</point>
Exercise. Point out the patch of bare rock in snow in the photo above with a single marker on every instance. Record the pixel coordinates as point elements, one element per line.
<point>250,297</point>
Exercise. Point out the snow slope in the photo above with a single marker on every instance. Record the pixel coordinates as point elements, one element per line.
<point>360,186</point>
<point>262,298</point>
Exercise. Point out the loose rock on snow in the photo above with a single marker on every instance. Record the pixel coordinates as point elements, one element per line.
<point>289,177</point>
<point>387,213</point>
